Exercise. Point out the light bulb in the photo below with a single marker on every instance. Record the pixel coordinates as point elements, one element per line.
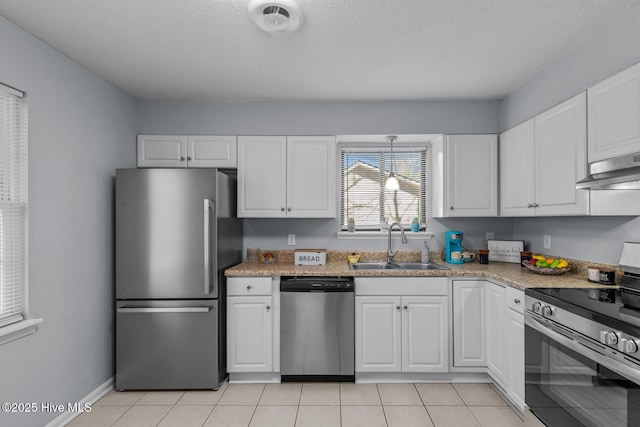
<point>392,183</point>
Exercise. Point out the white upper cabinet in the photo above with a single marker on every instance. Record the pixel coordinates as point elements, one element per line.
<point>179,151</point>
<point>286,177</point>
<point>465,176</point>
<point>206,151</point>
<point>541,161</point>
<point>561,159</point>
<point>517,179</point>
<point>614,116</point>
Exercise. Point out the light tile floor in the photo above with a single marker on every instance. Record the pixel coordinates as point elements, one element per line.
<point>309,405</point>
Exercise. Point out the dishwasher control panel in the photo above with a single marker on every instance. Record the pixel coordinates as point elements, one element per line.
<point>311,284</point>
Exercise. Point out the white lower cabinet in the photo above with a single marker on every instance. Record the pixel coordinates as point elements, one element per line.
<point>488,332</point>
<point>469,340</point>
<point>250,325</point>
<point>515,366</point>
<point>495,335</point>
<point>405,332</point>
<point>378,334</point>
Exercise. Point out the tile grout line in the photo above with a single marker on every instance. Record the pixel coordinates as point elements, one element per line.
<point>424,404</point>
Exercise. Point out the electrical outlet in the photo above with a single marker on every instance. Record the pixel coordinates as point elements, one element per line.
<point>292,239</point>
<point>547,241</point>
<point>489,235</point>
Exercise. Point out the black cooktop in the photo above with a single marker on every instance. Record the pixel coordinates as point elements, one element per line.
<point>601,305</point>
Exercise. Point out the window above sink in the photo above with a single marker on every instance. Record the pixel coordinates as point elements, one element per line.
<point>365,163</point>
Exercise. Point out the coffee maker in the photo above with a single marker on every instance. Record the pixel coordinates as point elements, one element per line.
<point>453,247</point>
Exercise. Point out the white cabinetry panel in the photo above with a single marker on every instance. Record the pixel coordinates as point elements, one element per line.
<point>614,116</point>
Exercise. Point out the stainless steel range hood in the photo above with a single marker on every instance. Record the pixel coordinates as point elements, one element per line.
<point>621,173</point>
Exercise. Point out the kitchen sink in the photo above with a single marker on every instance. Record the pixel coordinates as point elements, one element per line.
<point>397,266</point>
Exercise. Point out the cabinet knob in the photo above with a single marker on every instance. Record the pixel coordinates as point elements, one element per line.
<point>268,307</point>
<point>248,287</point>
<point>181,159</point>
<point>189,158</point>
<point>282,209</point>
<point>535,205</point>
<point>516,300</point>
<point>406,307</point>
<point>450,207</point>
<point>530,205</point>
<point>289,209</point>
<point>398,307</point>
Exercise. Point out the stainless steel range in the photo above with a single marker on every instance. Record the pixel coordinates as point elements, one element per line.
<point>582,351</point>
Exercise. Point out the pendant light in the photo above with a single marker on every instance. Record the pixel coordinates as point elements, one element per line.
<point>391,182</point>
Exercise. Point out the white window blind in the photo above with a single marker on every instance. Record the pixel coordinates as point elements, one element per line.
<point>13,206</point>
<point>364,198</point>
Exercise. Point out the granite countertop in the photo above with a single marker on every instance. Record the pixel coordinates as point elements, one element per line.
<point>509,274</point>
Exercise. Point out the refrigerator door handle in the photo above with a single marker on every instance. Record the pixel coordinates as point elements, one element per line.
<point>164,309</point>
<point>209,207</point>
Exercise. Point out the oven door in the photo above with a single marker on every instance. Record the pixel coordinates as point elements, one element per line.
<point>569,380</point>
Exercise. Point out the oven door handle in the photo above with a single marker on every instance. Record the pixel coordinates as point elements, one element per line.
<point>575,344</point>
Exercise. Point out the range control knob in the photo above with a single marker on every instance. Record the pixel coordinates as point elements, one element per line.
<point>628,345</point>
<point>547,310</point>
<point>536,306</point>
<point>608,337</point>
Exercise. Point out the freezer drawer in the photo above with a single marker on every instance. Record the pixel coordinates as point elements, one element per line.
<point>169,345</point>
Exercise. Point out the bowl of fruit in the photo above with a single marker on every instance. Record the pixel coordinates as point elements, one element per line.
<point>551,266</point>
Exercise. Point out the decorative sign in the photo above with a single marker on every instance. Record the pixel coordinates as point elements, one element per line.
<point>310,257</point>
<point>505,250</point>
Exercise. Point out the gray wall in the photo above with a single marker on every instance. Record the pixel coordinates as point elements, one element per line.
<point>80,129</point>
<point>611,50</point>
<point>331,118</point>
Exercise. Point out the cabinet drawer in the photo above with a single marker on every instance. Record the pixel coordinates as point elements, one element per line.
<point>238,286</point>
<point>515,299</point>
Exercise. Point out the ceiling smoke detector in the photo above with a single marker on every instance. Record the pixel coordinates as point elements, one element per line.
<point>281,16</point>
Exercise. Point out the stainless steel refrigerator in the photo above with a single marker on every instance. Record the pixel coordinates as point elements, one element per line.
<point>176,233</point>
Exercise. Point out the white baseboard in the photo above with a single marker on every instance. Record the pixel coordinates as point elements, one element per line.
<point>91,398</point>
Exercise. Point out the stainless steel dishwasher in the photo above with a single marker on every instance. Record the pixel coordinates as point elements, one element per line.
<point>317,323</point>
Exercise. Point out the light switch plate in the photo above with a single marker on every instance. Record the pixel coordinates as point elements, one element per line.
<point>547,241</point>
<point>292,239</point>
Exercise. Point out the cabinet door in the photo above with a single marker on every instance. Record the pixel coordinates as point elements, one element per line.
<point>262,162</point>
<point>517,186</point>
<point>162,151</point>
<point>311,180</point>
<point>249,334</point>
<point>472,178</point>
<point>468,323</point>
<point>425,332</point>
<point>378,334</point>
<point>495,313</point>
<point>614,116</point>
<point>515,362</point>
<point>561,158</point>
<point>211,151</point>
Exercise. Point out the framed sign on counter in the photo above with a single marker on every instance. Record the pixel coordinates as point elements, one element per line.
<point>505,250</point>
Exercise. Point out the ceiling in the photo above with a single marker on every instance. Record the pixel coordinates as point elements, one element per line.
<point>211,50</point>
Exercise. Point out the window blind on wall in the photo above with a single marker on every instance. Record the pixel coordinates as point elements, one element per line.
<point>13,206</point>
<point>363,196</point>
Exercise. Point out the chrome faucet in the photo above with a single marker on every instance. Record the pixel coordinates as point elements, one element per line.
<point>390,253</point>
